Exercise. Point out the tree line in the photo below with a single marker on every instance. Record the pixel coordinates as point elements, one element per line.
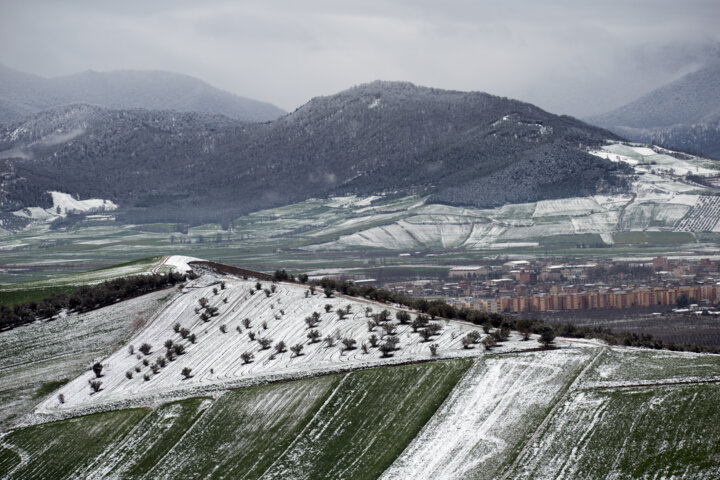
<point>438,308</point>
<point>86,298</point>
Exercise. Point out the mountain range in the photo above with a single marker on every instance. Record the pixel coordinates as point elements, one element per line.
<point>682,115</point>
<point>23,94</point>
<point>463,148</point>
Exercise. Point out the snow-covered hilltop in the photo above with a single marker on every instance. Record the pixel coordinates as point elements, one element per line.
<point>221,343</point>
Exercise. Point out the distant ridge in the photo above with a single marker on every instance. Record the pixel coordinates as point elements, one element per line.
<point>22,94</point>
<point>682,115</point>
<point>461,148</point>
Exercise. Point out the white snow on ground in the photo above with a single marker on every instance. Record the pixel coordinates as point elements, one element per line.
<point>566,206</point>
<point>596,223</point>
<point>487,415</point>
<point>35,213</point>
<point>689,200</point>
<point>179,262</point>
<point>644,151</point>
<point>216,361</point>
<point>68,204</point>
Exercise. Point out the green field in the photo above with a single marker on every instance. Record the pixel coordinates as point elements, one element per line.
<point>349,425</point>
<point>57,450</point>
<point>660,432</point>
<point>635,365</point>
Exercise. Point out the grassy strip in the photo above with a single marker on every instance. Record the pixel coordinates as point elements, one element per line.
<point>16,296</point>
<point>149,442</point>
<point>369,421</point>
<point>246,430</point>
<point>58,449</point>
<point>8,461</point>
<point>657,432</point>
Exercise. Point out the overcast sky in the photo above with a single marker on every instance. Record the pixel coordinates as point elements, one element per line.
<point>576,57</point>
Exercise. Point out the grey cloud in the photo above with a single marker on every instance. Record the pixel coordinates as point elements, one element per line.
<point>567,56</point>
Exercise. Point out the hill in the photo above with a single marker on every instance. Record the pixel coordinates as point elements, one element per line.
<point>684,114</point>
<point>464,148</point>
<point>332,412</point>
<point>23,94</point>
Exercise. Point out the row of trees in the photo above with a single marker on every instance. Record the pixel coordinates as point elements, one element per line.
<point>526,326</point>
<point>86,298</point>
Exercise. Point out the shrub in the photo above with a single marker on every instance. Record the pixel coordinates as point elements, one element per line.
<point>247,357</point>
<point>223,328</point>
<point>434,349</point>
<point>168,344</point>
<point>330,340</point>
<point>349,343</point>
<point>547,337</point>
<point>393,340</point>
<point>97,369</point>
<point>328,292</point>
<point>403,317</point>
<point>280,347</point>
<point>61,398</point>
<point>489,342</point>
<point>373,339</point>
<point>387,349</point>
<point>129,374</point>
<point>390,328</point>
<point>297,349</point>
<point>524,327</point>
<point>246,322</point>
<point>328,307</point>
<point>313,336</point>
<point>131,349</point>
<point>146,377</point>
<point>192,337</point>
<point>145,348</point>
<point>95,385</point>
<point>251,335</point>
<point>264,343</point>
<point>186,373</point>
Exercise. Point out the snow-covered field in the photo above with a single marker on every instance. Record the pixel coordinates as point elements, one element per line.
<point>661,198</point>
<point>488,415</point>
<point>46,352</point>
<point>216,357</point>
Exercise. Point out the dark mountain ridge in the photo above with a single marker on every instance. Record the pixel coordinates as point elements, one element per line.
<point>462,148</point>
<point>682,115</point>
<point>22,94</point>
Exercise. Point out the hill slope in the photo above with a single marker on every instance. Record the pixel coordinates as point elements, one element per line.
<point>684,114</point>
<point>462,148</point>
<point>22,94</point>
